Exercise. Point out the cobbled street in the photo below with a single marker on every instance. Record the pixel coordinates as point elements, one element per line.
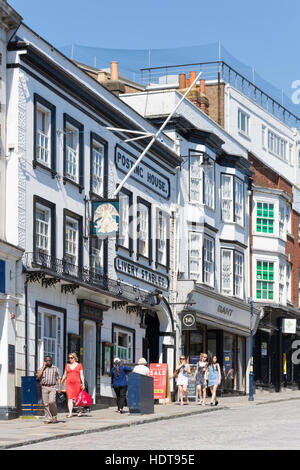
<point>269,426</point>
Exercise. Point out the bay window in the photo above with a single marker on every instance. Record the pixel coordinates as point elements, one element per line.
<point>195,256</point>
<point>232,199</point>
<point>265,280</point>
<point>208,261</point>
<point>202,180</point>
<point>232,273</point>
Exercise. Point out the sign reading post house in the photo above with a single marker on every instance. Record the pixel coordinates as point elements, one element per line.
<point>144,174</point>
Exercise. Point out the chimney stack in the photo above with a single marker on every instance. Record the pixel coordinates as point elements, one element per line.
<point>192,78</point>
<point>202,86</point>
<point>182,81</point>
<point>114,74</point>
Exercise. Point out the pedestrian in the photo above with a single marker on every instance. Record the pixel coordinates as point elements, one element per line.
<point>48,375</point>
<point>74,382</point>
<point>182,370</point>
<point>141,368</point>
<point>199,378</point>
<point>213,374</point>
<point>119,382</point>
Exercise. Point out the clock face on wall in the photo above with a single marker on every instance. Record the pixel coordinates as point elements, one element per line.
<point>188,320</point>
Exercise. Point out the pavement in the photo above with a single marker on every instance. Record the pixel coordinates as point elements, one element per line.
<point>25,431</point>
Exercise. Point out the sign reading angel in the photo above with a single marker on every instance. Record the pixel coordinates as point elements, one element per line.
<point>106,216</point>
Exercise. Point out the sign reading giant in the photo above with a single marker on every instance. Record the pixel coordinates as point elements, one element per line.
<point>143,173</point>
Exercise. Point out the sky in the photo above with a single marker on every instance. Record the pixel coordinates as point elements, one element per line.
<point>263,34</point>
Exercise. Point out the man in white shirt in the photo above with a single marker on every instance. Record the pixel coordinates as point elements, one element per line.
<point>141,368</point>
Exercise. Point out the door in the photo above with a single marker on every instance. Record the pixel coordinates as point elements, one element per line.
<point>89,356</point>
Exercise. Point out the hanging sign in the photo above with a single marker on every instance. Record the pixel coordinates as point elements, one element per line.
<point>106,218</point>
<point>289,325</point>
<point>188,321</point>
<point>159,372</point>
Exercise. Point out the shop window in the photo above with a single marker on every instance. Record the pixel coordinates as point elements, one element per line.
<point>123,344</point>
<point>50,336</point>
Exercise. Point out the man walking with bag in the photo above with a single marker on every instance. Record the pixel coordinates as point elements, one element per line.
<point>48,376</point>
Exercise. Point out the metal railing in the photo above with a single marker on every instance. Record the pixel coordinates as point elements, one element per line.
<point>45,265</point>
<point>221,72</point>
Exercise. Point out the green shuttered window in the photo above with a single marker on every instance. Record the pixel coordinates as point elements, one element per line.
<point>265,217</point>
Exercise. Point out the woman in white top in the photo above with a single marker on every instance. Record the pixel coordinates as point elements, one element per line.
<point>141,368</point>
<point>182,370</point>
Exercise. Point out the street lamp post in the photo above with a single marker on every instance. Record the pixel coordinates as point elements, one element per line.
<point>251,398</point>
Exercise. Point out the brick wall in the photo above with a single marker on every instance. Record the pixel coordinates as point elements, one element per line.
<point>211,92</point>
<point>267,178</point>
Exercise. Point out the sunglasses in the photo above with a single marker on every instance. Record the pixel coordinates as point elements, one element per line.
<point>71,357</point>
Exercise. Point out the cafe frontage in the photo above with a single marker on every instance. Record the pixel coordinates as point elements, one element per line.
<point>221,326</point>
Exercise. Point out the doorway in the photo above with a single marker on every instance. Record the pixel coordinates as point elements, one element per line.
<point>151,340</point>
<point>89,356</point>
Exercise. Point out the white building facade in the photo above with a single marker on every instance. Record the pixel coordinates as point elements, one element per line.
<point>212,234</point>
<point>99,298</point>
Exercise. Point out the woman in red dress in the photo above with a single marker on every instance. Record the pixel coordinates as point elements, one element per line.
<point>74,383</point>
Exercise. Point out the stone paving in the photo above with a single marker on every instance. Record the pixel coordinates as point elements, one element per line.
<point>29,431</point>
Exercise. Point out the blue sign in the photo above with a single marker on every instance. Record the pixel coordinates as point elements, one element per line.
<point>2,276</point>
<point>106,218</point>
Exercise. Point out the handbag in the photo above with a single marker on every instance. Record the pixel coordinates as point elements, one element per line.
<point>83,399</point>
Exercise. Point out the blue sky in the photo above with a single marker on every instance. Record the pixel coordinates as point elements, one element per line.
<point>263,34</point>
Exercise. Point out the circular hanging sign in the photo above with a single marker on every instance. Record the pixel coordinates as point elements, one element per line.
<point>188,320</point>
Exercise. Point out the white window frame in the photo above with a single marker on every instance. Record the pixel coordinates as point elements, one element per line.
<point>195,255</point>
<point>162,222</point>
<point>281,279</point>
<point>277,145</point>
<point>263,136</point>
<point>143,224</point>
<point>282,220</point>
<point>246,116</point>
<point>72,153</point>
<point>231,200</point>
<point>97,169</point>
<point>124,353</point>
<point>56,341</point>
<point>43,135</point>
<point>124,228</point>
<point>203,179</point>
<point>97,257</point>
<point>43,229</point>
<point>288,282</point>
<point>234,275</point>
<point>208,260</point>
<point>288,218</point>
<point>71,240</point>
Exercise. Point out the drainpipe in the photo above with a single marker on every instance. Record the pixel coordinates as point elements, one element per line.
<point>26,326</point>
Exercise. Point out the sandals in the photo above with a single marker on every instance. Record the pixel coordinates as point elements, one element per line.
<point>68,416</point>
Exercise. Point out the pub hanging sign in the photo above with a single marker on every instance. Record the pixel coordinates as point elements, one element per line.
<point>106,218</point>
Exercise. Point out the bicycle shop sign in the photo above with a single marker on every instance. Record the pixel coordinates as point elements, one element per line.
<point>143,173</point>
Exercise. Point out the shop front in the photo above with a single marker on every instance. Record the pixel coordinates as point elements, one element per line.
<point>276,357</point>
<point>221,327</point>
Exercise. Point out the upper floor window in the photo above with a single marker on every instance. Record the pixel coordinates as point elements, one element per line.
<point>288,219</point>
<point>265,280</point>
<point>232,199</point>
<point>265,217</point>
<point>202,179</point>
<point>288,282</point>
<point>277,145</point>
<point>243,122</point>
<point>232,269</point>
<point>263,136</point>
<point>208,261</point>
<point>72,241</point>
<point>144,247</point>
<point>281,220</point>
<point>97,256</point>
<point>162,238</point>
<point>98,150</point>
<point>195,256</point>
<point>2,276</point>
<point>44,228</point>
<point>73,151</point>
<point>44,134</point>
<point>125,238</point>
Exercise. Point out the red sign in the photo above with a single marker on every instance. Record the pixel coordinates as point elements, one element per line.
<point>159,372</point>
